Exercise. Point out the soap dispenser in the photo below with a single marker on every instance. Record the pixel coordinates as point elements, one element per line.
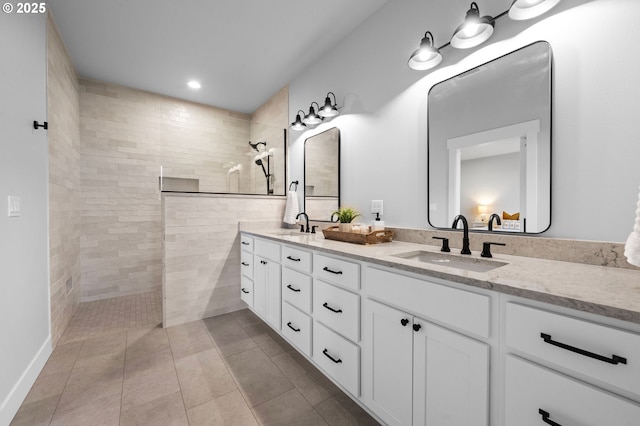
<point>377,225</point>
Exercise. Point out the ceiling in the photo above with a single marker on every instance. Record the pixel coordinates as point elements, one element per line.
<point>241,51</point>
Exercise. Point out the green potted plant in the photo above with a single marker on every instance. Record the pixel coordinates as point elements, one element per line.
<point>345,216</point>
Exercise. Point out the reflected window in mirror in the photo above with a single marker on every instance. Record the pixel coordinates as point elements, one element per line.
<point>322,174</point>
<point>490,143</point>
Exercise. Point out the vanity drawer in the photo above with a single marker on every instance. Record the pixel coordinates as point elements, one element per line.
<point>296,259</point>
<point>296,289</point>
<point>531,388</point>
<point>555,338</point>
<point>337,271</point>
<point>246,290</point>
<point>246,243</point>
<point>338,357</point>
<point>337,308</point>
<point>297,328</point>
<point>267,249</point>
<point>246,264</point>
<point>450,306</point>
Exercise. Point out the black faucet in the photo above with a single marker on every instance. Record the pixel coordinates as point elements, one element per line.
<point>497,218</point>
<point>465,237</point>
<point>307,221</point>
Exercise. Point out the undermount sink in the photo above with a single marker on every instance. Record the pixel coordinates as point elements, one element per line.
<point>452,261</point>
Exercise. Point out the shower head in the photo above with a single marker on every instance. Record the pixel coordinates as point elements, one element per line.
<point>255,145</point>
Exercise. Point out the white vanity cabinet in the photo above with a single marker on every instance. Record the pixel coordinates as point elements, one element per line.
<point>267,281</point>
<point>417,372</point>
<point>568,370</point>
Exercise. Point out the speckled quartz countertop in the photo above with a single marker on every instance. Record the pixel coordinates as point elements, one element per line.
<point>607,291</point>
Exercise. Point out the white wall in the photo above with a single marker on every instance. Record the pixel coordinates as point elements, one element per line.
<point>24,287</point>
<point>595,170</point>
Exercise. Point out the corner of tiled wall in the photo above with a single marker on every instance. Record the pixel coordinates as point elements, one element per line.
<point>64,182</point>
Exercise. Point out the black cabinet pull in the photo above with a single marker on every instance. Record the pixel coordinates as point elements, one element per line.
<point>615,359</point>
<point>245,291</point>
<point>545,418</point>
<point>333,272</point>
<point>404,322</point>
<point>292,327</point>
<point>326,305</point>
<point>263,262</point>
<point>245,264</point>
<point>293,289</point>
<point>293,259</point>
<point>244,243</point>
<point>416,327</point>
<point>326,353</point>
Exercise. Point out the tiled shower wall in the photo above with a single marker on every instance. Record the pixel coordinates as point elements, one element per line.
<point>202,252</point>
<point>64,182</point>
<point>126,136</point>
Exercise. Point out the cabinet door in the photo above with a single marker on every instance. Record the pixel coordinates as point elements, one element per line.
<point>266,290</point>
<point>451,378</point>
<point>274,298</point>
<point>387,362</point>
<point>260,286</point>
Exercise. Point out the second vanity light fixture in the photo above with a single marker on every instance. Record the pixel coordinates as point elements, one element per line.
<point>475,30</point>
<point>328,110</point>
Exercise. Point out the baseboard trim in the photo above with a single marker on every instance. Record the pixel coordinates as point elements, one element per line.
<point>18,393</point>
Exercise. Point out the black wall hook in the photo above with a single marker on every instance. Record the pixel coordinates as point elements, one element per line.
<point>45,125</point>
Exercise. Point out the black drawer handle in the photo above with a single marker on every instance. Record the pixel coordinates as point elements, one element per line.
<point>545,418</point>
<point>333,272</point>
<point>326,353</point>
<point>292,327</point>
<point>326,305</point>
<point>293,258</point>
<point>404,322</point>
<point>297,290</point>
<point>263,262</point>
<point>244,243</point>
<point>615,359</point>
<point>245,264</point>
<point>245,291</point>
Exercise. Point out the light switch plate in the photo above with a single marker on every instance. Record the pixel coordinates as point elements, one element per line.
<point>376,206</point>
<point>15,208</point>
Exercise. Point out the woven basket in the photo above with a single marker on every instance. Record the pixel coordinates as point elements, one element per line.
<point>374,237</point>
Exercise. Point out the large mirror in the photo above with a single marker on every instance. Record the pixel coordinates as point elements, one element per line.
<point>322,174</point>
<point>490,144</point>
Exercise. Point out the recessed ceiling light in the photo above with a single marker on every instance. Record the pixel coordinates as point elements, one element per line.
<point>194,84</point>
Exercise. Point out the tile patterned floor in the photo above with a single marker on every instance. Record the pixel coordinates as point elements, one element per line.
<point>115,365</point>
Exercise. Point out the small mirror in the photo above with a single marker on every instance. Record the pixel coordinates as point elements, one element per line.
<point>322,174</point>
<point>490,144</point>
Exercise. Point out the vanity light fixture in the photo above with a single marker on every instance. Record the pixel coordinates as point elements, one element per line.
<point>312,118</point>
<point>426,56</point>
<point>474,31</point>
<point>298,124</point>
<point>329,110</point>
<point>529,9</point>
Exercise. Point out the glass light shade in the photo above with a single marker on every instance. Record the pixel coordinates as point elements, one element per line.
<point>328,110</point>
<point>426,56</point>
<point>312,118</point>
<point>482,209</point>
<point>529,9</point>
<point>298,124</point>
<point>474,31</point>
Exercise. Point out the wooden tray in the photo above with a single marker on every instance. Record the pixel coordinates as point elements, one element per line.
<point>374,237</point>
